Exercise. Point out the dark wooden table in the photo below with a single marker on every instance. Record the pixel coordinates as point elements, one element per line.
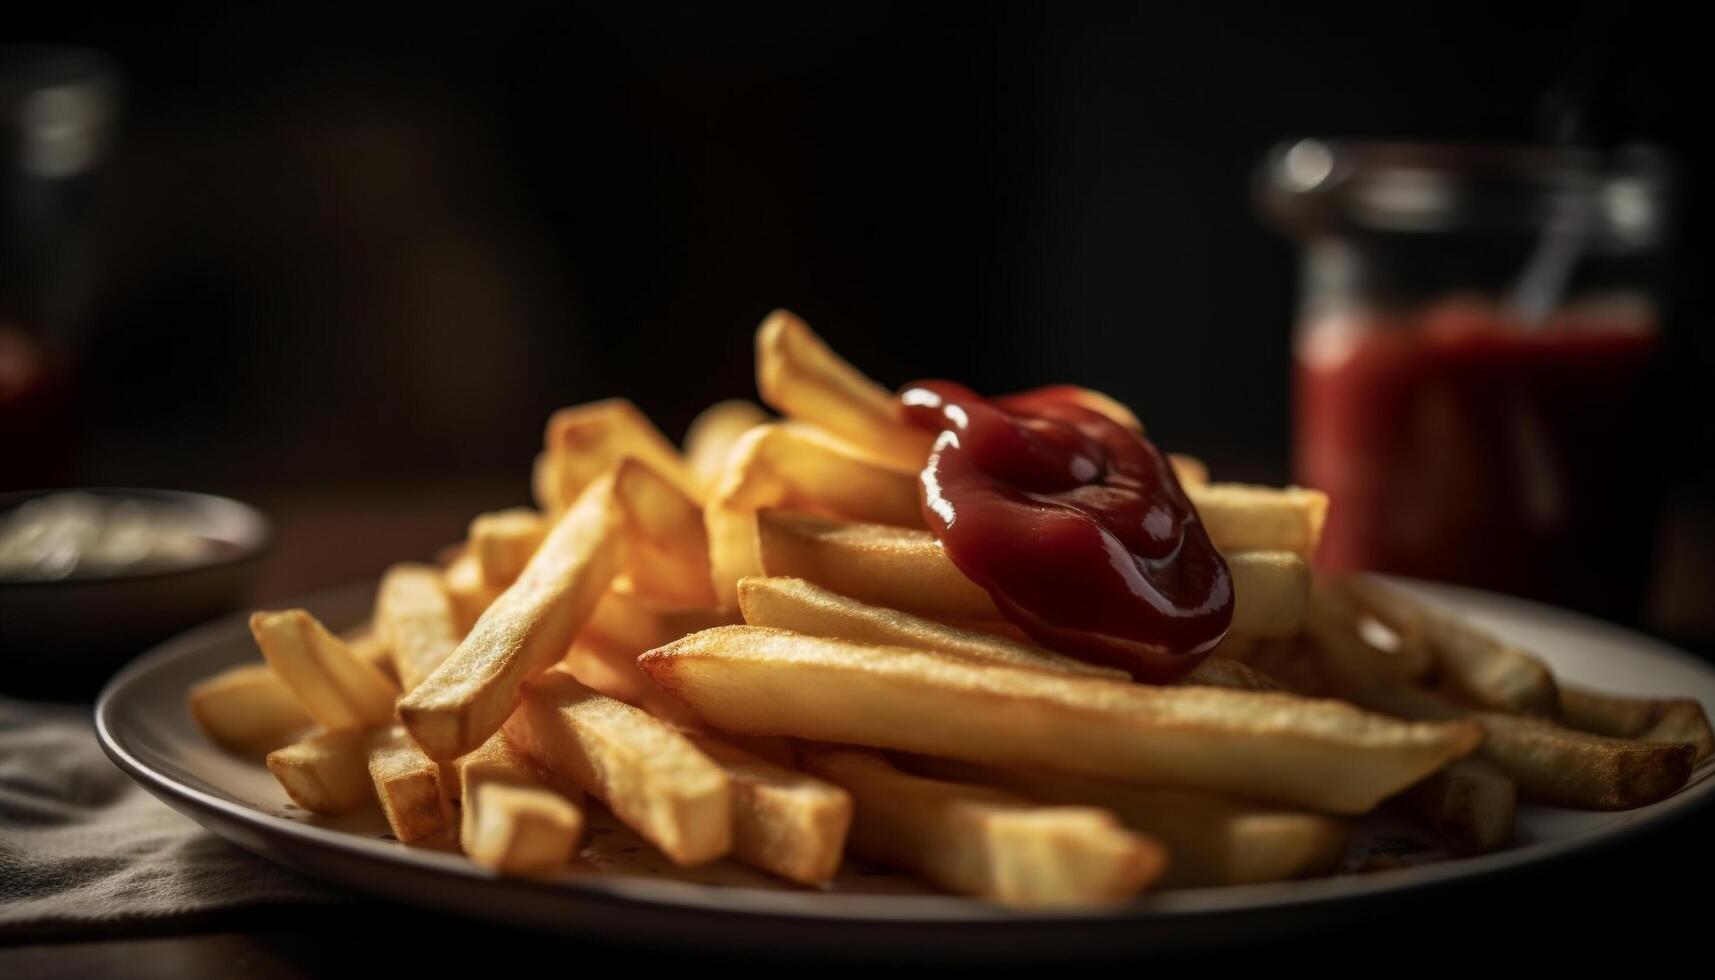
<point>1641,904</point>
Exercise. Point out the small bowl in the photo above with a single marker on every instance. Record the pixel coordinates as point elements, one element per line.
<point>64,637</point>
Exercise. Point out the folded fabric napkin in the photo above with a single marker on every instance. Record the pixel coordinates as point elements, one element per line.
<point>83,845</point>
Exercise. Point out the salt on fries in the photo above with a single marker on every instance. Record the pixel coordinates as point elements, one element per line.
<point>717,646</point>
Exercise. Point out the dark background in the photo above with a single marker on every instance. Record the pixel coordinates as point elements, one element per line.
<point>376,244</point>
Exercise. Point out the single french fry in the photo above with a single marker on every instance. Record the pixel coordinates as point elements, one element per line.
<point>1403,619</point>
<point>668,557</point>
<point>1645,719</point>
<point>784,822</point>
<point>901,568</point>
<point>795,467</point>
<point>408,785</point>
<point>1550,764</point>
<point>1242,517</point>
<point>800,377</point>
<point>794,604</point>
<point>526,631</point>
<point>1212,840</point>
<point>1322,755</point>
<point>1480,670</point>
<point>1471,805</point>
<point>645,771</point>
<point>503,541</point>
<point>336,689</point>
<point>586,441</point>
<point>247,708</point>
<point>712,435</point>
<point>415,614</point>
<point>325,773</point>
<point>469,591</point>
<point>510,821</point>
<point>983,842</point>
<point>545,481</point>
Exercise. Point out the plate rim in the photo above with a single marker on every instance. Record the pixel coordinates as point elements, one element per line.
<point>873,909</point>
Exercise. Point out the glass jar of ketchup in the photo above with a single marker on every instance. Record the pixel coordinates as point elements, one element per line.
<point>1475,356</point>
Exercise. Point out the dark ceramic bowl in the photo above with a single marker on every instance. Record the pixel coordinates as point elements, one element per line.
<point>64,637</point>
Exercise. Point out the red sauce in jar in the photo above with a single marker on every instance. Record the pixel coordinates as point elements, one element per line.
<point>1458,443</point>
<point>1075,525</point>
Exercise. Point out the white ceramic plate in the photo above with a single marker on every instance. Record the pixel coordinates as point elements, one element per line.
<point>620,887</point>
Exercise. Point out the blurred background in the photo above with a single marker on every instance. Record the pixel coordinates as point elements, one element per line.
<point>342,261</point>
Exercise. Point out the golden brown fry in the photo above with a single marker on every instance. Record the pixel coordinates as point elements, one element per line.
<point>1402,618</point>
<point>647,773</point>
<point>986,843</point>
<point>1645,719</point>
<point>586,441</point>
<point>794,604</point>
<point>511,822</point>
<point>799,468</point>
<point>668,557</point>
<point>1241,517</point>
<point>325,773</point>
<point>527,630</point>
<point>1471,805</point>
<point>1218,671</point>
<point>408,784</point>
<point>503,541</point>
<point>1323,755</point>
<point>247,708</point>
<point>1212,840</point>
<point>800,377</point>
<point>712,435</point>
<point>336,689</point>
<point>784,821</point>
<point>901,568</point>
<point>470,593</point>
<point>415,614</point>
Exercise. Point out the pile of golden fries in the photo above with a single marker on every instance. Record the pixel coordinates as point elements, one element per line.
<point>752,649</point>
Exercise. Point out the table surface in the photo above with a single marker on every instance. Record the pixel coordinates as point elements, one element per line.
<point>1638,901</point>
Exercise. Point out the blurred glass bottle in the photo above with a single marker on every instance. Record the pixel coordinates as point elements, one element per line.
<point>58,107</point>
<point>1475,347</point>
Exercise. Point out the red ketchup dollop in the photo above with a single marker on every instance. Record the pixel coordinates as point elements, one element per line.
<point>1075,525</point>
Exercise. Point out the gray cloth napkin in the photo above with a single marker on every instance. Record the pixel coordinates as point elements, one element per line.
<point>83,845</point>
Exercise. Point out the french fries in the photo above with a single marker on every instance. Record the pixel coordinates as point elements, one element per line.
<point>717,646</point>
<point>335,688</point>
<point>456,708</point>
<point>325,773</point>
<point>1241,517</point>
<point>668,554</point>
<point>247,708</point>
<point>794,604</point>
<point>784,821</point>
<point>408,785</point>
<point>1471,804</point>
<point>415,615</point>
<point>801,378</point>
<point>982,842</point>
<point>798,467</point>
<point>585,442</point>
<point>1213,840</point>
<point>1549,763</point>
<point>502,542</point>
<point>712,435</point>
<point>1322,755</point>
<point>906,569</point>
<point>647,773</point>
<point>510,822</point>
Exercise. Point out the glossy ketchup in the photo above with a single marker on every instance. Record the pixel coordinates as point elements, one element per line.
<point>1074,524</point>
